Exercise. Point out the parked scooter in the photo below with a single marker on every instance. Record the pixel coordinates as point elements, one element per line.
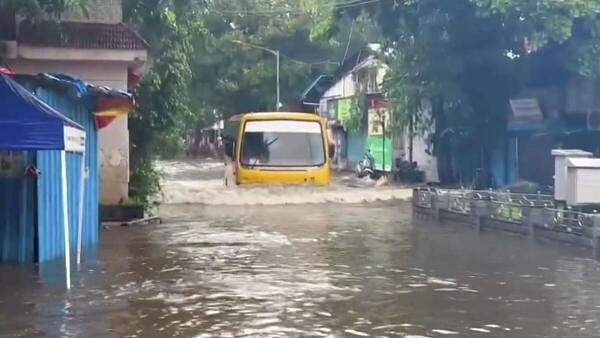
<point>366,167</point>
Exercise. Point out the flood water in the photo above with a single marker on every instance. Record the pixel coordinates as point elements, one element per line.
<point>308,271</point>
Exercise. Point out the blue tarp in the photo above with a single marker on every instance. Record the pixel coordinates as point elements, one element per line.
<point>26,122</point>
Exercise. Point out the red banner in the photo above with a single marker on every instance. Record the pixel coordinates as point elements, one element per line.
<point>109,108</point>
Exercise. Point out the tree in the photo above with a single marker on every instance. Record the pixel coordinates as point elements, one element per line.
<point>232,76</point>
<point>163,95</point>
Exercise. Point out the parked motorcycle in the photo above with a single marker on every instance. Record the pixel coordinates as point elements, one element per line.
<point>366,167</point>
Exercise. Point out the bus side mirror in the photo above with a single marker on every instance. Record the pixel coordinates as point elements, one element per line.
<point>229,148</point>
<point>331,151</point>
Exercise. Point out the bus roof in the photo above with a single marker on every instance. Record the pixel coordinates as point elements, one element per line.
<point>276,116</point>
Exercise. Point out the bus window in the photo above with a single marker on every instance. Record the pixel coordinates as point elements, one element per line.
<point>281,143</point>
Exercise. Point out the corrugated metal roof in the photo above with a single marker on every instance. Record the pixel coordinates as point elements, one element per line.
<point>18,200</point>
<point>17,217</point>
<point>51,242</point>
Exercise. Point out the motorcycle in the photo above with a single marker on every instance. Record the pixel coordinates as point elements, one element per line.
<point>366,167</point>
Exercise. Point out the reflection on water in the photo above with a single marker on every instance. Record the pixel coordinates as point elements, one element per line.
<point>299,271</point>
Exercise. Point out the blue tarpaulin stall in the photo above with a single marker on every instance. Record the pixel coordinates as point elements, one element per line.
<point>27,123</point>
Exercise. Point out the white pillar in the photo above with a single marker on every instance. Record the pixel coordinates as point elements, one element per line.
<point>65,209</point>
<point>80,214</point>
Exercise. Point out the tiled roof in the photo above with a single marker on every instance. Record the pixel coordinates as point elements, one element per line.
<point>83,35</point>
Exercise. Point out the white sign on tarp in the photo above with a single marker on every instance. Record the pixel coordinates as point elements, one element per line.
<point>74,140</point>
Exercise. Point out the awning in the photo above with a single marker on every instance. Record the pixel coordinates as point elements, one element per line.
<point>27,123</point>
<point>314,92</point>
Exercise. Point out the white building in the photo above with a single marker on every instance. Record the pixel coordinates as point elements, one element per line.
<point>98,49</point>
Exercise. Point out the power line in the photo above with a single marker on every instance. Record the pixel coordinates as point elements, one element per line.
<point>321,62</point>
<point>341,5</point>
<point>349,39</point>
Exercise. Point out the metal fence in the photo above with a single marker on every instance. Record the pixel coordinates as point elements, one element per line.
<point>507,212</point>
<point>567,220</point>
<point>424,197</point>
<point>527,211</point>
<point>529,200</point>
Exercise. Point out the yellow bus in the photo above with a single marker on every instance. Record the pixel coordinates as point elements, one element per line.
<point>277,148</point>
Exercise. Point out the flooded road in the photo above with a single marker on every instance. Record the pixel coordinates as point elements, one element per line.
<point>201,182</point>
<point>308,271</point>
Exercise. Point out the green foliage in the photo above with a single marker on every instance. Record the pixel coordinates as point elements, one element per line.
<point>234,75</point>
<point>358,111</point>
<point>144,182</point>
<point>572,24</point>
<point>43,9</point>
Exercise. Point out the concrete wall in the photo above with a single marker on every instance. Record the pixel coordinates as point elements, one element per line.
<point>421,146</point>
<point>104,11</point>
<point>114,139</point>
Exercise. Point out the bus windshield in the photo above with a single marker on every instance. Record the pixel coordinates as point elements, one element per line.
<point>282,143</point>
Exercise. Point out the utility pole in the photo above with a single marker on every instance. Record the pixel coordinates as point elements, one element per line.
<point>277,56</point>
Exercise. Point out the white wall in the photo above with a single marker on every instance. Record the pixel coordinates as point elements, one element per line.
<point>114,139</point>
<point>344,87</point>
<point>421,145</point>
<point>425,161</point>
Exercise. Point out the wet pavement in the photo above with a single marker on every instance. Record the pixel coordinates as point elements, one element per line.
<point>308,271</point>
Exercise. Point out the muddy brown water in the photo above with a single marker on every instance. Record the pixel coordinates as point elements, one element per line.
<point>307,271</point>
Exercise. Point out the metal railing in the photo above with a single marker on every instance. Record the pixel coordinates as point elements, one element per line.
<point>507,212</point>
<point>567,220</point>
<point>504,205</point>
<point>424,198</point>
<point>532,210</point>
<point>530,200</point>
<point>457,201</point>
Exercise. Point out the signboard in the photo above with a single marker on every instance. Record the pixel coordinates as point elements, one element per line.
<point>381,149</point>
<point>526,110</point>
<point>74,140</point>
<point>12,163</point>
<point>377,119</point>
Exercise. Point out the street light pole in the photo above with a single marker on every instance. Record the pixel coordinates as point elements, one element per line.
<point>278,100</point>
<point>274,52</point>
